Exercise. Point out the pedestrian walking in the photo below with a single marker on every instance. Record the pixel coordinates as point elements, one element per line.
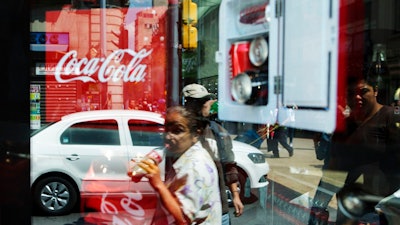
<point>276,135</point>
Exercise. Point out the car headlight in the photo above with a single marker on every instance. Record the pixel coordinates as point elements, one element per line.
<point>256,157</point>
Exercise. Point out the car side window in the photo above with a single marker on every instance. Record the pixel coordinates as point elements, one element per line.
<point>96,132</point>
<point>146,133</point>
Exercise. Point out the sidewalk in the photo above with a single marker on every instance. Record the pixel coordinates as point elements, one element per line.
<point>293,182</point>
<point>301,172</point>
<point>298,143</point>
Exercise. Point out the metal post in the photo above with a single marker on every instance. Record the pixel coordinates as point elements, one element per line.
<point>174,52</point>
<point>103,28</point>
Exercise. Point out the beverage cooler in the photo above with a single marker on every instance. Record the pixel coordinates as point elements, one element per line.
<point>269,68</point>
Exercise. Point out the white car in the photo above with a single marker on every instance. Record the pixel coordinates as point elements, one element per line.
<point>82,160</point>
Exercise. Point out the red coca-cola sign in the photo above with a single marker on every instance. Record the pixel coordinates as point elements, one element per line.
<point>103,69</point>
<point>117,62</point>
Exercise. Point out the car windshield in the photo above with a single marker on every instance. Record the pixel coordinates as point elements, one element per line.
<point>43,127</point>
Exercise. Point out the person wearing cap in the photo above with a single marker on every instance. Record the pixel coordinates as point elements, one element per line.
<point>217,141</point>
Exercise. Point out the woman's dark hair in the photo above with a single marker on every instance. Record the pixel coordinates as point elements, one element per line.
<point>370,79</point>
<point>195,123</point>
<point>374,81</point>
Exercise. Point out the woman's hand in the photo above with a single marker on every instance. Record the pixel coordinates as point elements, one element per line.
<point>152,172</point>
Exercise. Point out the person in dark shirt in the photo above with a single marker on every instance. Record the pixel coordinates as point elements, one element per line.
<point>369,147</point>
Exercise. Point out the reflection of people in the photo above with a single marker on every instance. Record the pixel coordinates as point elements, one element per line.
<point>108,103</point>
<point>277,135</point>
<point>291,132</point>
<point>94,51</point>
<point>369,147</point>
<point>218,142</point>
<point>132,104</point>
<point>190,193</point>
<point>322,144</point>
<point>78,105</point>
<point>373,130</point>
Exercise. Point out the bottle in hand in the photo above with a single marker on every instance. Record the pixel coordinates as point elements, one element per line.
<point>135,171</point>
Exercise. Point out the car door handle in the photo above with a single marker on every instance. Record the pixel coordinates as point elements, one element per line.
<point>73,157</point>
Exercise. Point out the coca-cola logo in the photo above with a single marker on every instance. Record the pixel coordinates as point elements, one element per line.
<point>134,212</point>
<point>106,69</point>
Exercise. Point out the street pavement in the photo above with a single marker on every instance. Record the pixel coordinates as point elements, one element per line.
<point>292,185</point>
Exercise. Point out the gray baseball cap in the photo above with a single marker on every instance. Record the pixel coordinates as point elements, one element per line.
<point>196,91</point>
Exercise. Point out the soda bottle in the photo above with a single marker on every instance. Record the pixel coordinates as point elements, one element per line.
<point>136,172</point>
<point>214,108</point>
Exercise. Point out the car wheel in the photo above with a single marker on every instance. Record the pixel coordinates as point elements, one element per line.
<point>246,196</point>
<point>54,196</point>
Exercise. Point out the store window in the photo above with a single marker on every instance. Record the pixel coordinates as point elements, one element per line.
<point>275,66</point>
